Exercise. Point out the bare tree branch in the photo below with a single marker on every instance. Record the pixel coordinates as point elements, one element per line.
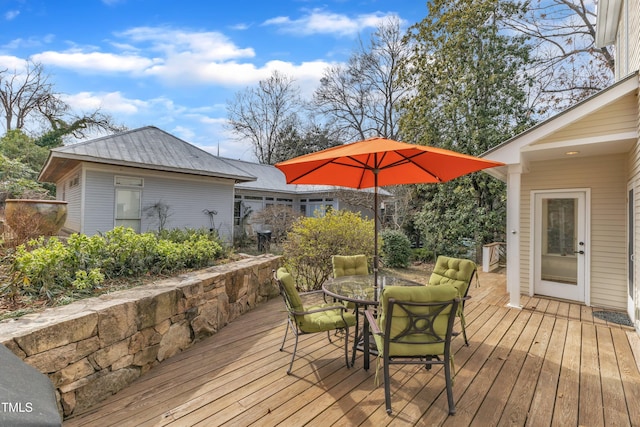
<point>362,96</point>
<point>264,114</point>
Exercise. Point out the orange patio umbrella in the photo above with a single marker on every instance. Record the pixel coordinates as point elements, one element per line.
<point>377,162</point>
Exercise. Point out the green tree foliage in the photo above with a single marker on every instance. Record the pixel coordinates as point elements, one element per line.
<point>20,161</point>
<point>396,249</point>
<point>313,240</point>
<point>470,95</point>
<point>295,142</point>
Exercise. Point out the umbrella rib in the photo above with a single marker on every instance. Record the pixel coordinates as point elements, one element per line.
<point>334,161</point>
<point>409,159</point>
<point>293,181</point>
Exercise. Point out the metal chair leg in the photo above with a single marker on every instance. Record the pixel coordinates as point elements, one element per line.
<point>447,375</point>
<point>346,345</point>
<point>387,386</point>
<point>293,355</point>
<point>286,331</point>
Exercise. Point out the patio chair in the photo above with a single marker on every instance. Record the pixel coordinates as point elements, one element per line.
<point>458,273</point>
<point>308,319</point>
<point>349,265</point>
<point>415,326</point>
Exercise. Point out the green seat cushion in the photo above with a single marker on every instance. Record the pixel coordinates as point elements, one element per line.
<point>453,271</point>
<point>350,265</point>
<point>401,320</point>
<point>313,322</point>
<point>324,320</point>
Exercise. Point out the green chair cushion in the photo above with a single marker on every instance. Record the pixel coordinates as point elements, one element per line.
<point>350,265</point>
<point>324,320</point>
<point>290,288</point>
<point>401,320</point>
<point>453,271</point>
<point>313,322</point>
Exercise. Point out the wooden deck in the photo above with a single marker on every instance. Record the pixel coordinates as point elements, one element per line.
<point>551,363</point>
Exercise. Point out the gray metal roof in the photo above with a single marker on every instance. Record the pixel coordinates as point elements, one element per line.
<point>270,178</point>
<point>146,147</point>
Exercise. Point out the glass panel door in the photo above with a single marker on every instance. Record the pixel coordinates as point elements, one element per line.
<point>560,244</point>
<point>559,238</point>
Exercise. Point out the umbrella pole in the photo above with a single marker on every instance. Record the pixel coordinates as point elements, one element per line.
<point>375,235</point>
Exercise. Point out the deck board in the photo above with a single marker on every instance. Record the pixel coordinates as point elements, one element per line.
<point>551,363</point>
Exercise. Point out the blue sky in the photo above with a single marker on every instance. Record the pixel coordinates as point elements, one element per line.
<point>176,64</point>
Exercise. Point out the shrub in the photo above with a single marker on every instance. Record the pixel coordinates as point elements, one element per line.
<point>313,240</point>
<point>423,255</point>
<point>396,249</point>
<point>50,268</point>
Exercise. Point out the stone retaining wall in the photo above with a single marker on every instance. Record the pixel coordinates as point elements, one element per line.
<point>92,348</point>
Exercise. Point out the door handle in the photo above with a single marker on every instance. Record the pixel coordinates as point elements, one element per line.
<point>579,252</point>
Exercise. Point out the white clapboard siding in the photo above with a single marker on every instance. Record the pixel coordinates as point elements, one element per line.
<point>187,196</point>
<point>617,117</point>
<point>606,177</point>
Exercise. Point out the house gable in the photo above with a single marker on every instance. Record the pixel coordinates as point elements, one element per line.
<point>605,123</point>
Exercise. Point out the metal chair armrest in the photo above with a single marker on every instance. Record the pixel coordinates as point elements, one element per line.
<point>373,325</point>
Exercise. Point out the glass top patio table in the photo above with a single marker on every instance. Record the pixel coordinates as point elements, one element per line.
<point>360,289</point>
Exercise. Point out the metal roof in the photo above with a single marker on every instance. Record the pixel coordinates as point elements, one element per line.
<point>147,147</point>
<point>271,178</point>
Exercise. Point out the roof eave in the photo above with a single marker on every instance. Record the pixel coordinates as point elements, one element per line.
<point>46,176</point>
<point>509,152</point>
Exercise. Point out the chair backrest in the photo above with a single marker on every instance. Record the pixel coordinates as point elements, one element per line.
<point>288,290</point>
<point>417,320</point>
<point>350,265</point>
<point>453,271</point>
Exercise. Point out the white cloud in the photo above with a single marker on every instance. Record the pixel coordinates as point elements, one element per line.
<point>180,59</point>
<point>112,103</point>
<point>240,27</point>
<point>319,21</point>
<point>96,61</point>
<point>208,45</point>
<point>28,42</point>
<point>11,15</point>
<point>12,62</point>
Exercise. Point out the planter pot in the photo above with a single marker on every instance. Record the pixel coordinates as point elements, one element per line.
<point>40,217</point>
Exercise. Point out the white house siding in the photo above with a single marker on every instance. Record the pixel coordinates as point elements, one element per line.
<point>186,196</point>
<point>634,183</point>
<point>618,117</point>
<point>70,190</point>
<point>99,200</point>
<point>606,176</point>
<point>627,47</point>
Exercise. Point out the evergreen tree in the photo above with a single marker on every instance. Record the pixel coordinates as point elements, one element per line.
<point>470,80</point>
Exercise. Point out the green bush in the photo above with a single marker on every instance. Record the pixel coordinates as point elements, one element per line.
<point>312,241</point>
<point>423,255</point>
<point>396,249</point>
<point>50,268</point>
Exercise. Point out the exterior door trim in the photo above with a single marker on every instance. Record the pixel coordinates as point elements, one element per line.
<point>631,237</point>
<point>587,239</point>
